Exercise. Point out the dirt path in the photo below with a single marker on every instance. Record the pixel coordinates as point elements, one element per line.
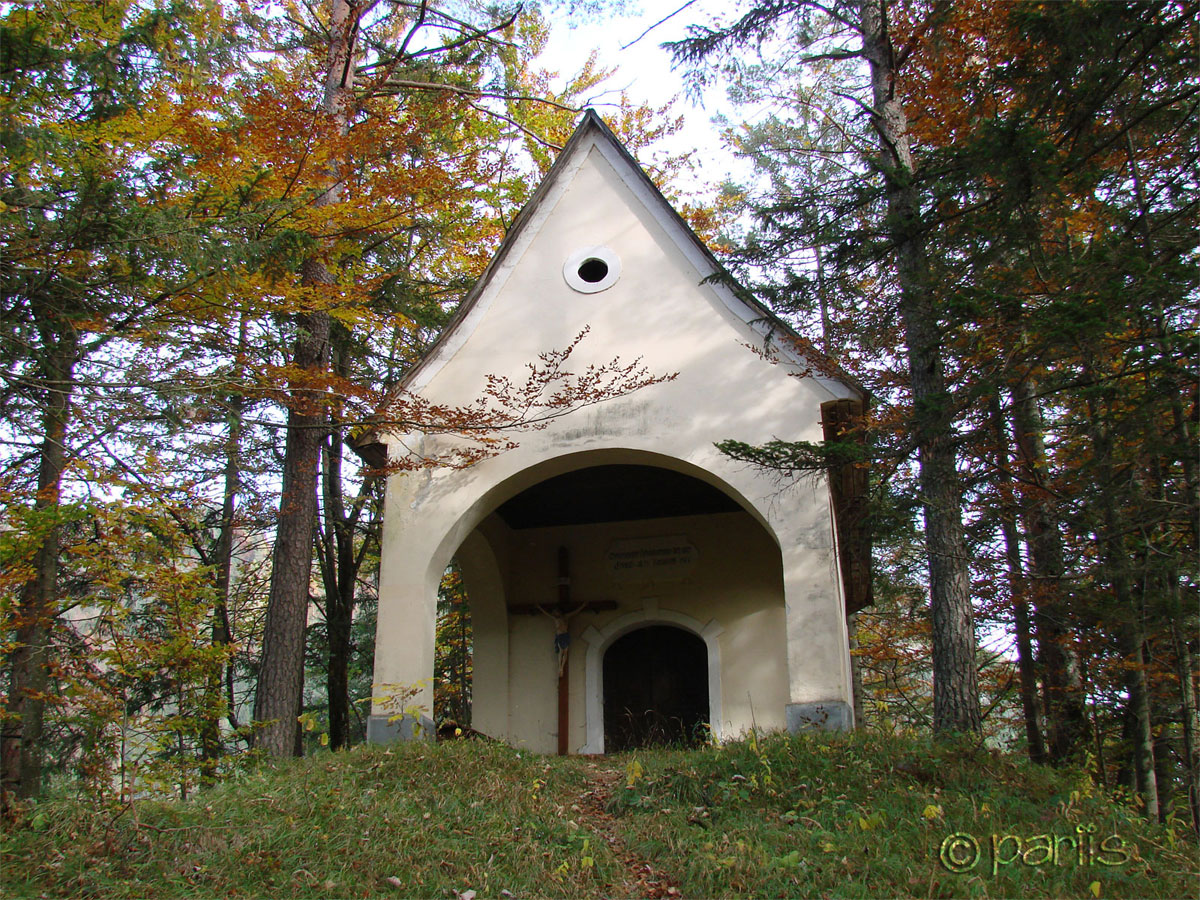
<point>640,877</point>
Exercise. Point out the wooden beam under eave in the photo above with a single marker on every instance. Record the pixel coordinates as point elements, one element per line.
<point>849,485</point>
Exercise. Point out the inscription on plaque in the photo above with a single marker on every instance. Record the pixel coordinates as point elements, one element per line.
<point>651,559</point>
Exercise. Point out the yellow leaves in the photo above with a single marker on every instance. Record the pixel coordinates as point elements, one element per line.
<point>932,811</point>
<point>1094,888</point>
<point>586,860</point>
<point>871,822</point>
<point>86,26</point>
<point>350,316</point>
<point>947,64</point>
<point>633,772</point>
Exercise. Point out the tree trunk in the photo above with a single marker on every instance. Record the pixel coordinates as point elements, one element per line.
<point>1016,586</point>
<point>1126,774</point>
<point>338,677</point>
<point>21,752</point>
<point>1131,639</point>
<point>1097,735</point>
<point>1066,714</point>
<point>1130,628</point>
<point>339,575</point>
<point>210,734</point>
<point>341,560</point>
<point>1161,747</point>
<point>281,673</point>
<point>338,570</point>
<point>1184,659</point>
<point>955,678</point>
<point>222,631</point>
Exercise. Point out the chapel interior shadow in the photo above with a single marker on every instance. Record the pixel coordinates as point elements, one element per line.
<point>655,690</point>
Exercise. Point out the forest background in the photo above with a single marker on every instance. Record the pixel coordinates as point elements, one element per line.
<point>230,229</point>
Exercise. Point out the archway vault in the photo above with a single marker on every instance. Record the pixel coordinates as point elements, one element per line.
<point>600,639</point>
<point>696,555</point>
<point>493,497</point>
<point>665,510</point>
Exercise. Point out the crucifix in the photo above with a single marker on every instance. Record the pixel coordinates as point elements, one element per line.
<point>561,614</point>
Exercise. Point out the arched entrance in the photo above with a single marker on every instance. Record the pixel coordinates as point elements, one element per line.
<point>613,542</point>
<point>655,689</point>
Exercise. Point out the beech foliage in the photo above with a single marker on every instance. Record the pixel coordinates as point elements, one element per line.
<point>181,210</point>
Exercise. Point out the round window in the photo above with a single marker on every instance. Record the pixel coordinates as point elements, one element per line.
<point>592,269</point>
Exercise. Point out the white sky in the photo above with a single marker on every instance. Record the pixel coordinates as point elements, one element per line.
<point>645,71</point>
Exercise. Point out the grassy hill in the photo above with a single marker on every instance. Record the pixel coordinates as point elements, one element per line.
<point>824,816</point>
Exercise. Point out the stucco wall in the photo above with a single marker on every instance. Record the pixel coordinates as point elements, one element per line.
<point>658,310</point>
<point>735,583</point>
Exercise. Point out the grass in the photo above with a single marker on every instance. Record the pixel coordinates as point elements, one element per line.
<point>825,816</point>
<point>862,816</point>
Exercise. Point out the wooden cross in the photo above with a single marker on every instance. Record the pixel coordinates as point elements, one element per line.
<point>562,612</point>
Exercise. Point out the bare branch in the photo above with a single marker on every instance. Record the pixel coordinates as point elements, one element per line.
<point>476,34</point>
<point>416,26</point>
<point>656,24</point>
<point>475,92</point>
<point>499,115</point>
<point>838,54</point>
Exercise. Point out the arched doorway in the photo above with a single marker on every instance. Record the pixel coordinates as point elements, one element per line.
<point>655,689</point>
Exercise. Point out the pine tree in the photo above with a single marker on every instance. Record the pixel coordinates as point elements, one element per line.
<point>90,255</point>
<point>863,31</point>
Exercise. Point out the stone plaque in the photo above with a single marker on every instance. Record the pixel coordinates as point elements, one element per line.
<point>651,559</point>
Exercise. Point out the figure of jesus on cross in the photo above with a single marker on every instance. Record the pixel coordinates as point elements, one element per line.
<point>560,614</point>
<point>562,631</point>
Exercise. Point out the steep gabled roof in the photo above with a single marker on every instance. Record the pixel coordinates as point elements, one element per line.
<point>592,129</point>
<point>777,335</point>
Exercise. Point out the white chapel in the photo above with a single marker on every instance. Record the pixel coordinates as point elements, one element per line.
<point>627,581</point>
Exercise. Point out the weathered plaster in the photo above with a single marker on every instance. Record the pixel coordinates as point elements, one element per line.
<point>770,578</point>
